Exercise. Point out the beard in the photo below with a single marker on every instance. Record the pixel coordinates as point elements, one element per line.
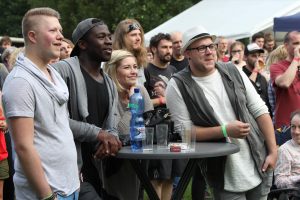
<point>165,58</point>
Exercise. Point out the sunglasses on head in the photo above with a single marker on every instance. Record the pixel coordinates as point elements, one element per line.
<point>132,27</point>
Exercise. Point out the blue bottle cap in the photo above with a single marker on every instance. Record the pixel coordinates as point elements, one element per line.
<point>136,90</point>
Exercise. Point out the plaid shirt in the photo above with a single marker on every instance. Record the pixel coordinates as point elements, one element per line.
<point>287,171</point>
<point>272,98</point>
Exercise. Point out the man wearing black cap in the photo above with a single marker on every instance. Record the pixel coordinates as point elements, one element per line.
<point>222,104</point>
<point>93,101</point>
<point>254,66</point>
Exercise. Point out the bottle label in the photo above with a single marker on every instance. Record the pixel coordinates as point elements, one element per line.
<point>140,133</point>
<point>133,105</point>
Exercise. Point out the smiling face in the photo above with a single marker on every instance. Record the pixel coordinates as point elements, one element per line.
<point>202,63</point>
<point>97,43</point>
<point>47,37</point>
<point>127,70</point>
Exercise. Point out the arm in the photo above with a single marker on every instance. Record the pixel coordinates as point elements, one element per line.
<point>283,170</point>
<point>22,132</point>
<point>285,79</point>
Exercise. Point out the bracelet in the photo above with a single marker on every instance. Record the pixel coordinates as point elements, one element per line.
<point>50,197</point>
<point>161,100</point>
<point>296,59</point>
<point>223,127</point>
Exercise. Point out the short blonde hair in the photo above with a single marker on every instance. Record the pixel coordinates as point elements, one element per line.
<point>29,19</point>
<point>13,57</point>
<point>111,66</point>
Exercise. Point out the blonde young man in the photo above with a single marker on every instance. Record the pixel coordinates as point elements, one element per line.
<point>222,104</point>
<point>35,102</point>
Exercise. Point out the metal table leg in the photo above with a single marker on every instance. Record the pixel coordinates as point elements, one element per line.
<point>144,179</point>
<point>185,179</point>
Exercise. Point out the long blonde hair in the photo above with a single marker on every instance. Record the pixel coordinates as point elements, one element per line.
<point>111,66</point>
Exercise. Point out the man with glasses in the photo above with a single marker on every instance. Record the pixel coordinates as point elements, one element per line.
<point>286,80</point>
<point>254,66</point>
<point>222,104</point>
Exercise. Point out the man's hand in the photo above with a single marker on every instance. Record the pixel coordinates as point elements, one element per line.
<point>297,52</point>
<point>270,162</point>
<point>238,129</point>
<point>109,145</point>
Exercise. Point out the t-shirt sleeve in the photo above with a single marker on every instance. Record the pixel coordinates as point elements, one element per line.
<point>18,98</point>
<point>275,71</point>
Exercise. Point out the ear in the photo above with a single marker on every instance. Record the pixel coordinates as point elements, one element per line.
<point>153,50</point>
<point>32,37</point>
<point>187,54</point>
<point>82,44</point>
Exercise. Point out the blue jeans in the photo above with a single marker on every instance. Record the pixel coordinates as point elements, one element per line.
<point>73,196</point>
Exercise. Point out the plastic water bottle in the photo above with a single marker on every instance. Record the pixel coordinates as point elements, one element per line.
<point>137,126</point>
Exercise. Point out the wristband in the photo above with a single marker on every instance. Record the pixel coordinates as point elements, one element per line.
<point>223,127</point>
<point>161,100</point>
<point>296,59</point>
<point>50,197</point>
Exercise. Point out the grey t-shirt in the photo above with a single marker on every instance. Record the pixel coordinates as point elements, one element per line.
<point>24,96</point>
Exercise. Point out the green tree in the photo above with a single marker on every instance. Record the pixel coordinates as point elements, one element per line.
<point>150,13</point>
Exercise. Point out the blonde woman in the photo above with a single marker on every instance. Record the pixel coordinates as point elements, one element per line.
<point>123,69</point>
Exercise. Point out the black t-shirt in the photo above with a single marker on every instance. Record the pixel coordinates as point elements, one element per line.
<point>261,86</point>
<point>179,65</point>
<point>98,103</point>
<point>157,78</point>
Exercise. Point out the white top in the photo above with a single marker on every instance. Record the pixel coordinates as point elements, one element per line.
<point>240,171</point>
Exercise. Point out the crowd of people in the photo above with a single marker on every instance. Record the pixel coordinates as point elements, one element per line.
<point>65,106</point>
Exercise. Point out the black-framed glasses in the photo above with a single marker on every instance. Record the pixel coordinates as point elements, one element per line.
<point>203,48</point>
<point>132,27</point>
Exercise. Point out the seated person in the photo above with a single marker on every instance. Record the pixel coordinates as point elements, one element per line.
<point>122,68</point>
<point>287,171</point>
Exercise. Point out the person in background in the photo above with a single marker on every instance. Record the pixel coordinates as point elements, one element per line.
<point>122,68</point>
<point>237,54</point>
<point>13,57</point>
<point>275,56</point>
<point>66,48</point>
<point>4,167</point>
<point>129,35</point>
<point>35,101</point>
<point>222,48</point>
<point>6,56</point>
<point>259,39</point>
<point>287,170</point>
<point>286,80</point>
<point>269,44</point>
<point>178,60</point>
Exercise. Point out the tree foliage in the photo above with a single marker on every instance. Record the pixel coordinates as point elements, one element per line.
<point>150,13</point>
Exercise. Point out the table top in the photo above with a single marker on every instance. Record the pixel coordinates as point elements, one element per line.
<point>202,150</point>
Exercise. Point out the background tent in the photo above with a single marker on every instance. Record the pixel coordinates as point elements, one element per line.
<point>231,18</point>
<point>287,23</point>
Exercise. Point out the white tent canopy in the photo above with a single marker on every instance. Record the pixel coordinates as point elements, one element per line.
<point>230,18</point>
